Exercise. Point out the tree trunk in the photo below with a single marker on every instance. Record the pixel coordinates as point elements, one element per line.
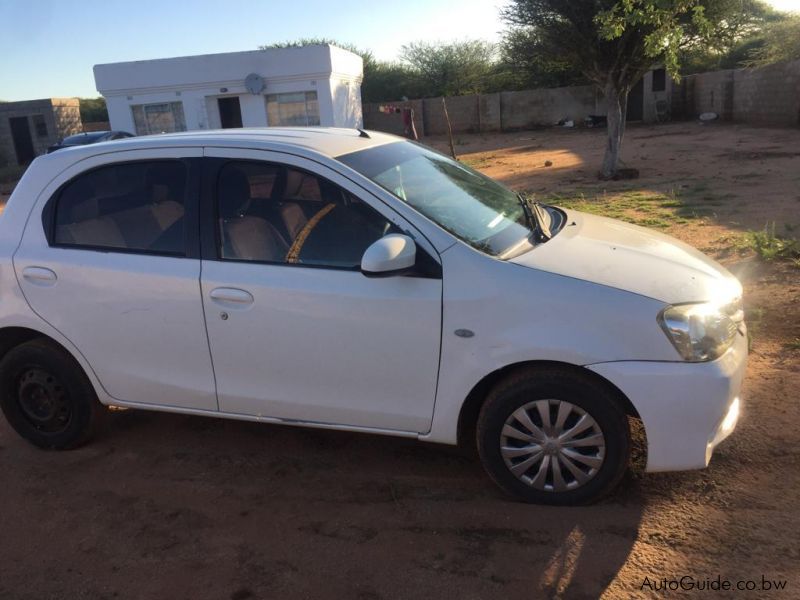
<point>449,129</point>
<point>617,101</point>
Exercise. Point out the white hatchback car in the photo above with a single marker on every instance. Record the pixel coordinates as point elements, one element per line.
<point>355,280</point>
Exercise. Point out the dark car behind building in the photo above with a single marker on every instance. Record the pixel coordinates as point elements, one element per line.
<point>92,137</point>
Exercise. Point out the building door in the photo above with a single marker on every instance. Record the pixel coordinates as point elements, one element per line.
<point>636,102</point>
<point>23,144</point>
<point>230,112</point>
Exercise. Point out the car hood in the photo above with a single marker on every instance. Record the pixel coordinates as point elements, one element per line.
<point>632,258</point>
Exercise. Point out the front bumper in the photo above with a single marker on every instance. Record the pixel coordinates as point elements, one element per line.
<point>686,408</point>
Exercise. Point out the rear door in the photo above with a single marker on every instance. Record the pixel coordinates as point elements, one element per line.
<point>297,332</point>
<point>110,258</point>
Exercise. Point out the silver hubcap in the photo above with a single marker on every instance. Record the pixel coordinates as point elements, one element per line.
<point>552,445</point>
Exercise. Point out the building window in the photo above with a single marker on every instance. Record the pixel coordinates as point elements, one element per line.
<point>164,117</point>
<point>40,125</point>
<point>659,80</point>
<point>299,108</point>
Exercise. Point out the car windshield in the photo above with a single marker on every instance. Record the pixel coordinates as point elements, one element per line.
<point>474,208</point>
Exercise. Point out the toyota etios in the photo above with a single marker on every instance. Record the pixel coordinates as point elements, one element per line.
<point>354,280</point>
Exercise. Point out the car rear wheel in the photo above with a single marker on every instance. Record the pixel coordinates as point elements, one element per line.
<point>46,397</point>
<point>553,436</point>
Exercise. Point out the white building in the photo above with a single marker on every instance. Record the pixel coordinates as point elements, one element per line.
<point>311,85</point>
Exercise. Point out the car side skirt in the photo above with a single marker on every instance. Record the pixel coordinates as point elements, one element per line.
<point>262,419</point>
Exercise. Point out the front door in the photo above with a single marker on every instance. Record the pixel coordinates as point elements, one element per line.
<point>21,135</point>
<point>635,110</point>
<point>114,266</point>
<point>230,112</point>
<point>297,332</point>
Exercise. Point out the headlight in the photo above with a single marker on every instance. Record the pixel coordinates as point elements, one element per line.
<point>700,332</point>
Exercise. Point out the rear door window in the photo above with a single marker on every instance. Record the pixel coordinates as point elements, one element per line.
<point>128,207</point>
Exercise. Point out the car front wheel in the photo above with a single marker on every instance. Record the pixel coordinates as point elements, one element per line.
<point>553,436</point>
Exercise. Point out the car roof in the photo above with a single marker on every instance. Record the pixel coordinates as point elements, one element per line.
<point>327,141</point>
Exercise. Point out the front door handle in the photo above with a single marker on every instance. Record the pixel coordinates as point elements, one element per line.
<point>39,276</point>
<point>231,297</point>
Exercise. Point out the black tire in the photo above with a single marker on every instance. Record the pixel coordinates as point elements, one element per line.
<point>584,394</point>
<point>46,397</point>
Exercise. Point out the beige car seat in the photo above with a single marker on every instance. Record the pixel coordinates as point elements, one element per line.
<point>245,237</point>
<point>137,227</point>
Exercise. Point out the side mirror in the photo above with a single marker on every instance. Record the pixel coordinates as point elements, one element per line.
<point>390,255</point>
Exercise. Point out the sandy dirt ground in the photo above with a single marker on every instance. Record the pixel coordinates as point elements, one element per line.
<point>165,506</point>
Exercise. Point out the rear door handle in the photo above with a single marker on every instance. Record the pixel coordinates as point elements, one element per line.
<point>231,297</point>
<point>39,276</point>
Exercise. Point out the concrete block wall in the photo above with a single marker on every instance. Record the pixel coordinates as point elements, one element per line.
<point>710,92</point>
<point>464,113</point>
<point>393,122</point>
<point>547,106</point>
<point>769,95</point>
<point>97,126</point>
<point>67,116</point>
<point>61,116</point>
<point>490,112</point>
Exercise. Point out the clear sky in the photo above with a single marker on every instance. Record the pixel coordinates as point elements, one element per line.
<point>48,47</point>
<point>785,4</point>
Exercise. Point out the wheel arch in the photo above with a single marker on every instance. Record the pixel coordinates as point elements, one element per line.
<point>13,336</point>
<point>470,408</point>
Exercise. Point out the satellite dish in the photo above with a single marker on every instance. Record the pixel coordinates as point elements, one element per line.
<point>254,83</point>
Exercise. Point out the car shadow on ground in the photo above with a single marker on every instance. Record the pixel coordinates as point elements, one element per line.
<point>201,507</point>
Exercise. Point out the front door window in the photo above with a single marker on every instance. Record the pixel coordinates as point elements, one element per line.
<point>268,213</point>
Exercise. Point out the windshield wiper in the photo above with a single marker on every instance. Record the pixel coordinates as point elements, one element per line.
<point>540,216</point>
<point>535,218</point>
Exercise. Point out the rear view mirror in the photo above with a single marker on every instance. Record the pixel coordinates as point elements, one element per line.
<point>390,255</point>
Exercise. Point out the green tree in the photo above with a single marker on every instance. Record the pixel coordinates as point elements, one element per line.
<point>451,69</point>
<point>381,80</point>
<point>524,65</point>
<point>388,81</point>
<point>93,110</point>
<point>614,42</point>
<point>780,41</point>
<point>739,32</point>
<point>366,55</point>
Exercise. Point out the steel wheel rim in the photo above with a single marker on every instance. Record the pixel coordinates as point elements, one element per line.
<point>552,445</point>
<point>43,400</point>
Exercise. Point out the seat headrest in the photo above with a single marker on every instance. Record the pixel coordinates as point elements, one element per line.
<point>81,199</point>
<point>233,191</point>
<point>169,177</point>
<point>294,183</point>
